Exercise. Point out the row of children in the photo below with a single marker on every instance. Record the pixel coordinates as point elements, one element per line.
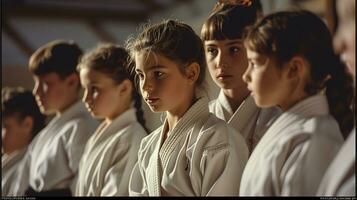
<point>276,128</point>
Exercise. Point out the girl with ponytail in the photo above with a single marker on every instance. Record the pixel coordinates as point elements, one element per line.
<point>109,94</point>
<point>193,153</point>
<point>292,65</point>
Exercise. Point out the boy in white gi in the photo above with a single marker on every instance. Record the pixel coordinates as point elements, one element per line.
<point>21,121</point>
<point>51,164</point>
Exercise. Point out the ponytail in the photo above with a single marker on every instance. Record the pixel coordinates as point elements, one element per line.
<point>340,95</point>
<point>139,110</point>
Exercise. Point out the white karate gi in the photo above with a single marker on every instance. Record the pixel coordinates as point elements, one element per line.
<point>249,120</point>
<point>340,177</point>
<point>9,165</point>
<point>110,156</point>
<point>201,156</point>
<point>294,153</point>
<point>53,156</point>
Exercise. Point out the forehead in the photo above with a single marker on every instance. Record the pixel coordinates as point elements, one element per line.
<point>225,42</point>
<point>88,75</point>
<point>346,9</point>
<point>145,60</point>
<point>253,54</point>
<point>47,77</point>
<point>10,120</point>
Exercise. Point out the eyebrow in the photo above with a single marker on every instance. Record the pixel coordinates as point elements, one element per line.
<point>227,44</point>
<point>153,67</point>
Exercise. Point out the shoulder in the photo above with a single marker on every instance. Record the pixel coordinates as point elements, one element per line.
<point>78,129</point>
<point>216,131</point>
<point>149,142</point>
<point>132,134</point>
<point>316,132</point>
<point>212,105</point>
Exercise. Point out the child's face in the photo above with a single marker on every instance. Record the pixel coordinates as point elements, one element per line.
<point>162,84</point>
<point>51,92</point>
<point>227,61</point>
<point>13,132</point>
<point>102,96</point>
<point>265,80</point>
<point>344,40</point>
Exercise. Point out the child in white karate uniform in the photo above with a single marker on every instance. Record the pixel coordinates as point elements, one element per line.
<point>111,152</point>
<point>292,65</point>
<point>227,61</point>
<point>51,163</point>
<point>193,153</point>
<point>340,177</point>
<point>21,121</point>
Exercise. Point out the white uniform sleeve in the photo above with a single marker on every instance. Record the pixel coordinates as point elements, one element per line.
<point>21,183</point>
<point>137,183</point>
<point>115,181</point>
<point>291,171</point>
<point>217,167</point>
<point>79,136</point>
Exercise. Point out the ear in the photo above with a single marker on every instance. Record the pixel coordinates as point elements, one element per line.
<point>296,67</point>
<point>125,87</point>
<point>73,80</point>
<point>193,72</point>
<point>27,124</point>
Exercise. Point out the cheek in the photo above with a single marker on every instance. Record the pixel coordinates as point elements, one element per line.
<point>262,82</point>
<point>4,134</point>
<point>55,92</point>
<point>169,89</point>
<point>102,100</point>
<point>211,67</point>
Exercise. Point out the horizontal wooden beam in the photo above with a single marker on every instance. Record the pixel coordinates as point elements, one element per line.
<point>97,28</point>
<point>73,13</point>
<point>19,41</point>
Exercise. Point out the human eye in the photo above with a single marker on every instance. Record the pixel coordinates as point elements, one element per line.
<point>252,64</point>
<point>44,86</point>
<point>234,49</point>
<point>159,74</point>
<point>94,91</point>
<point>140,75</point>
<point>212,51</point>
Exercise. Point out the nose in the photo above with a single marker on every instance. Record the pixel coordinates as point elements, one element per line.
<point>86,97</point>
<point>338,42</point>
<point>36,89</point>
<point>146,85</point>
<point>246,76</point>
<point>221,60</point>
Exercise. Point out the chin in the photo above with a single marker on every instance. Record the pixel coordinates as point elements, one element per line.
<point>155,109</point>
<point>225,86</point>
<point>46,111</point>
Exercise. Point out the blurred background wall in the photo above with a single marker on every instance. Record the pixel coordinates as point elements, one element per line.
<point>28,24</point>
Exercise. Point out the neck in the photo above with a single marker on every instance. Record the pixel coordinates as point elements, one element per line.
<point>293,98</point>
<point>15,147</point>
<point>236,96</point>
<point>119,111</point>
<point>68,104</point>
<point>173,116</point>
